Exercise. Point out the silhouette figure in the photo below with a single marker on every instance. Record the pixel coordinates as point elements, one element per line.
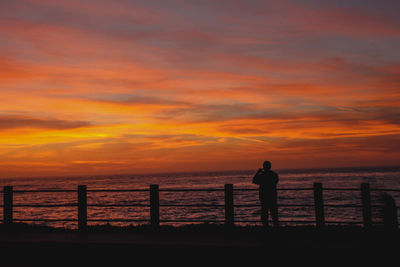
<point>390,212</point>
<point>267,180</point>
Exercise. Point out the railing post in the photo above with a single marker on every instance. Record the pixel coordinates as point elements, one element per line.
<point>82,207</point>
<point>229,212</point>
<point>390,213</point>
<point>319,205</point>
<point>7,204</point>
<point>366,205</point>
<point>154,205</point>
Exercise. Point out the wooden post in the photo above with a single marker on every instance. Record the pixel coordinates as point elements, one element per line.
<point>319,205</point>
<point>82,207</point>
<point>7,204</point>
<point>366,205</point>
<point>229,212</point>
<point>154,205</point>
<point>390,213</point>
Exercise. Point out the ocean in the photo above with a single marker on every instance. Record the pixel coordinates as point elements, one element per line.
<point>291,209</point>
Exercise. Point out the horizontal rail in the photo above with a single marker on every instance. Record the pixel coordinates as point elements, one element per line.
<point>186,205</point>
<point>75,220</point>
<point>258,221</point>
<point>342,206</point>
<point>177,220</point>
<point>358,189</point>
<point>117,220</point>
<point>46,191</point>
<point>280,205</point>
<point>283,221</point>
<point>193,190</point>
<point>192,205</point>
<point>193,220</point>
<point>340,189</point>
<point>45,205</point>
<point>118,205</point>
<point>279,189</point>
<point>46,220</point>
<point>303,221</point>
<point>383,189</point>
<point>117,190</point>
<point>343,222</point>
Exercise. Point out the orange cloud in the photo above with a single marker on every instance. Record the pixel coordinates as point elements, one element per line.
<point>94,88</point>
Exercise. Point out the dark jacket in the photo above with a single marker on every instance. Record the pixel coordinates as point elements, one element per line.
<point>267,180</point>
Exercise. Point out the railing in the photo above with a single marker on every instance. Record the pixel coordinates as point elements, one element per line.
<point>390,209</point>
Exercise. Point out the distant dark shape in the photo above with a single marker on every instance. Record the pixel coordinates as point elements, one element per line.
<point>267,180</point>
<point>389,212</point>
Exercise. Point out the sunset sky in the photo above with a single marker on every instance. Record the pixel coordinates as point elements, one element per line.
<point>125,86</point>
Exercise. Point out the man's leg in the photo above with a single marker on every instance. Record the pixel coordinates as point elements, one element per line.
<point>264,210</point>
<point>264,215</point>
<point>274,212</point>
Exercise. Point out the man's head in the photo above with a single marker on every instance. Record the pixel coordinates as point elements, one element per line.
<point>267,165</point>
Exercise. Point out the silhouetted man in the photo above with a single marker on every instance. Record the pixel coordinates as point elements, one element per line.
<point>267,180</point>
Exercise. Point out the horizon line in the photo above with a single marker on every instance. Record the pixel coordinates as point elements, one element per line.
<point>199,171</point>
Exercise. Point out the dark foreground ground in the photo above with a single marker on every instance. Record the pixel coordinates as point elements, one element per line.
<point>211,245</point>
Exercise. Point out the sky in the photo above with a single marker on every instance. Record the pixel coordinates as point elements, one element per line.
<point>109,87</point>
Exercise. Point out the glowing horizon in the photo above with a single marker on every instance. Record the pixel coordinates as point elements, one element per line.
<point>100,87</point>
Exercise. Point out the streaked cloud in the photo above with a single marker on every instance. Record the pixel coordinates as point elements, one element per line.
<point>141,86</point>
<point>12,122</point>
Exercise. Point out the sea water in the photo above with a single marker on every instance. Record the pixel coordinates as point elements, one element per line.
<point>295,206</point>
